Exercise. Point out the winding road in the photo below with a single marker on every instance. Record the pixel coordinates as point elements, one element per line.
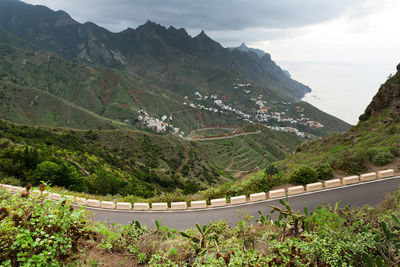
<point>221,137</point>
<point>360,194</point>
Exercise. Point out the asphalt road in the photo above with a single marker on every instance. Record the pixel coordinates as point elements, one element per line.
<point>370,193</point>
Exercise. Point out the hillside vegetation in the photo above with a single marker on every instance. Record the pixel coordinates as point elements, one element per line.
<point>126,162</point>
<point>36,231</point>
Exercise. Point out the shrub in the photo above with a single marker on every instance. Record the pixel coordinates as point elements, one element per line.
<point>271,170</point>
<point>91,135</point>
<point>351,163</point>
<point>380,155</point>
<point>304,175</point>
<point>38,232</point>
<point>324,171</point>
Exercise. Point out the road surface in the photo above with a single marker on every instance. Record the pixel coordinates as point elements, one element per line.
<point>370,193</point>
<point>221,137</point>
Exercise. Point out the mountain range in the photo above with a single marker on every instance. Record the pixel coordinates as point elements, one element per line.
<point>151,68</point>
<point>152,80</point>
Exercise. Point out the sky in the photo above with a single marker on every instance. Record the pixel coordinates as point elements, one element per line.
<point>343,49</point>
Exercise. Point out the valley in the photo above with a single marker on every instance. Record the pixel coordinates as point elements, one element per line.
<point>128,142</point>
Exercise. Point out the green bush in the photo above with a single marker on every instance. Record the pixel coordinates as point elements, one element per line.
<point>324,171</point>
<point>304,175</point>
<point>271,170</point>
<point>39,232</point>
<point>380,155</point>
<point>352,164</point>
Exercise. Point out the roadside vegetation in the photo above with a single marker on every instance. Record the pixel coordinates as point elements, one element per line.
<point>36,231</point>
<point>128,164</point>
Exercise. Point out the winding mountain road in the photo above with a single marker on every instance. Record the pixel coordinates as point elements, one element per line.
<point>221,137</point>
<point>360,194</point>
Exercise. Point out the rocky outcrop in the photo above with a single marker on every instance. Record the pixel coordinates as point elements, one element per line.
<point>387,98</point>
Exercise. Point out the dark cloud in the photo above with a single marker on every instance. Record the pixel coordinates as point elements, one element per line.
<point>227,21</point>
<point>210,15</point>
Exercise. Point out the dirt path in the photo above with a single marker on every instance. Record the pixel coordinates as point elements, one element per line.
<point>185,152</point>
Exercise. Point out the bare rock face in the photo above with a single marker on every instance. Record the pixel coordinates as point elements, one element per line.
<point>388,97</point>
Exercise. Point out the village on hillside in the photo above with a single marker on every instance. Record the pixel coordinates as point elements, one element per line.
<point>283,119</point>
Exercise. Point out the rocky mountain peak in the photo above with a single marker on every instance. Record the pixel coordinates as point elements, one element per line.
<point>202,34</point>
<point>243,45</point>
<point>63,18</point>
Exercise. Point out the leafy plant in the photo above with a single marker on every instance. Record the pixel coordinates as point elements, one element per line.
<point>199,243</point>
<point>388,240</point>
<point>295,220</point>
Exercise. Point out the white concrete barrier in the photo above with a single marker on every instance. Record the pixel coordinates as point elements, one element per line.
<point>159,206</point>
<point>8,187</point>
<point>368,176</point>
<point>21,189</point>
<point>277,193</point>
<point>238,200</point>
<point>332,183</point>
<point>218,202</point>
<point>81,201</point>
<point>141,206</point>
<point>350,180</point>
<point>107,205</point>
<point>178,205</point>
<point>258,196</point>
<point>314,186</point>
<point>385,173</point>
<point>13,189</point>
<point>93,203</point>
<point>124,206</point>
<point>295,190</point>
<point>199,204</point>
<point>54,196</point>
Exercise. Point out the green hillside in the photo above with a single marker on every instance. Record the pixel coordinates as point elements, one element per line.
<point>127,161</point>
<point>150,68</point>
<point>114,94</point>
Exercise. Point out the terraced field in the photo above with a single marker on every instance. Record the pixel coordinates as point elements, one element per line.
<point>239,155</point>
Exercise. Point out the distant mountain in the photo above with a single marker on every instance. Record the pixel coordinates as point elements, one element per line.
<point>150,50</point>
<point>153,68</point>
<point>287,73</point>
<point>243,47</point>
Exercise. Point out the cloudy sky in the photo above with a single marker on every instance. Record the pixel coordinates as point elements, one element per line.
<point>342,49</point>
